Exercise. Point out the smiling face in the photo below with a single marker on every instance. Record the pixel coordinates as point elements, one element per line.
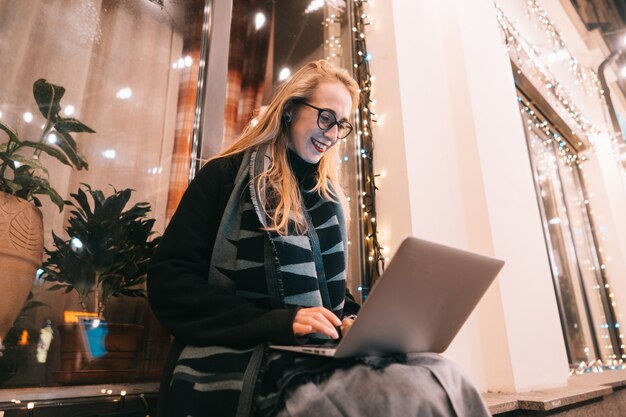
<point>305,136</point>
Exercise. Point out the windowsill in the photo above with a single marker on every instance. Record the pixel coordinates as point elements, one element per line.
<point>72,392</point>
<point>579,389</point>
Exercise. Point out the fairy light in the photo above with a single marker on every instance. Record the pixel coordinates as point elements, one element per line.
<point>570,158</point>
<point>333,49</point>
<point>365,120</point>
<point>533,121</point>
<point>527,57</point>
<point>122,402</point>
<point>585,76</point>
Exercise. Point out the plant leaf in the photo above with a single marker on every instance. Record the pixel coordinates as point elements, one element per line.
<point>54,196</point>
<point>37,185</point>
<point>57,287</point>
<point>68,145</point>
<point>114,205</point>
<point>50,150</point>
<point>117,246</point>
<point>134,293</point>
<point>71,125</point>
<point>33,304</point>
<point>31,162</point>
<point>83,202</point>
<point>48,97</point>
<point>12,134</point>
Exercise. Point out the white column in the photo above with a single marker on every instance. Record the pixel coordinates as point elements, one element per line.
<point>465,167</point>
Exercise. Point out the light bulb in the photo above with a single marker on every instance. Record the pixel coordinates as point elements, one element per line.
<point>69,110</point>
<point>259,20</point>
<point>284,74</point>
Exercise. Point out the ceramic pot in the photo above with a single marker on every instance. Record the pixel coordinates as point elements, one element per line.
<point>21,253</point>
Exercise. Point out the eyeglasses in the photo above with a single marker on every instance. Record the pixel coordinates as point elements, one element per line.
<point>326,119</point>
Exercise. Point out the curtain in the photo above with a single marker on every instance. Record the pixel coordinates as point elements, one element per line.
<point>249,61</point>
<point>115,59</point>
<point>186,107</point>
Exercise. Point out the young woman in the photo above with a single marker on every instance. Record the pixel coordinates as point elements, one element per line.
<point>256,254</point>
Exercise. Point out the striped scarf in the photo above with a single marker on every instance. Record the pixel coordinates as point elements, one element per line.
<point>300,270</point>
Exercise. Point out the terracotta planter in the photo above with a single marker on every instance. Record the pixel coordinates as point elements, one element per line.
<point>21,253</point>
<point>108,354</point>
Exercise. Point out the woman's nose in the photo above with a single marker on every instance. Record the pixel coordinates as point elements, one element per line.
<point>332,133</point>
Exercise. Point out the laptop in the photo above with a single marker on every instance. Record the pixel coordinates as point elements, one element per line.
<point>418,304</point>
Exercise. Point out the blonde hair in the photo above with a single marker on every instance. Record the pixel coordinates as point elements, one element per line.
<point>271,128</point>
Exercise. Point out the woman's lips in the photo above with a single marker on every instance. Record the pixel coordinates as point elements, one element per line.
<point>319,146</point>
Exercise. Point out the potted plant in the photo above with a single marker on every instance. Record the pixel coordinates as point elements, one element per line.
<point>105,255</point>
<point>23,178</point>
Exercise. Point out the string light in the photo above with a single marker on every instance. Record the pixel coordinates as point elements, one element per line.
<point>569,158</point>
<point>333,49</point>
<point>524,54</point>
<point>527,58</point>
<point>365,119</point>
<point>585,76</point>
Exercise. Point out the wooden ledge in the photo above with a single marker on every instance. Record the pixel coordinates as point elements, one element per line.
<point>9,395</point>
<point>580,389</point>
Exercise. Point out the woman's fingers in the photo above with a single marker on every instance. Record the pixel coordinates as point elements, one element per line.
<point>321,326</point>
<point>345,325</point>
<point>329,315</point>
<point>316,320</point>
<point>301,329</point>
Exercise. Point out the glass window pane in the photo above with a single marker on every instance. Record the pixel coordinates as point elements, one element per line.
<point>586,314</point>
<point>268,42</point>
<point>130,71</point>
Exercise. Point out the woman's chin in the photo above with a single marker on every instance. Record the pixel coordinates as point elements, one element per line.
<point>312,157</point>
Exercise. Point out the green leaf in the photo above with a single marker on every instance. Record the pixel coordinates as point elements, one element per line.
<point>68,145</point>
<point>117,246</point>
<point>57,287</point>
<point>50,150</point>
<point>83,202</point>
<point>7,160</point>
<point>12,134</point>
<point>48,97</point>
<point>134,293</point>
<point>31,162</point>
<point>33,304</point>
<point>71,125</point>
<point>114,205</point>
<point>54,196</point>
<point>38,185</point>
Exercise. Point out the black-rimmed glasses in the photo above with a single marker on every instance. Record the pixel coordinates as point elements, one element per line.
<point>326,119</point>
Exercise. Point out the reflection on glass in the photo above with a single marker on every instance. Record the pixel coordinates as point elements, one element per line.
<point>261,56</point>
<point>93,334</point>
<point>130,69</point>
<point>587,317</point>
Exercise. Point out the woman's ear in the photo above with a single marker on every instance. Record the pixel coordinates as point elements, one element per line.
<point>288,109</point>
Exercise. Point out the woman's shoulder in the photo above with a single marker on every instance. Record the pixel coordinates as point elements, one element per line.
<point>222,168</point>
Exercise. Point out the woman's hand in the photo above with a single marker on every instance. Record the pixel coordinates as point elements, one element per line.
<point>316,320</point>
<point>346,323</point>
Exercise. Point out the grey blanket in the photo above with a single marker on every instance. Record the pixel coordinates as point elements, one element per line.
<point>428,385</point>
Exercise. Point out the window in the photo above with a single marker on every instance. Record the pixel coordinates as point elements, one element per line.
<point>588,313</point>
<point>132,70</point>
<point>129,68</point>
<point>269,41</point>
